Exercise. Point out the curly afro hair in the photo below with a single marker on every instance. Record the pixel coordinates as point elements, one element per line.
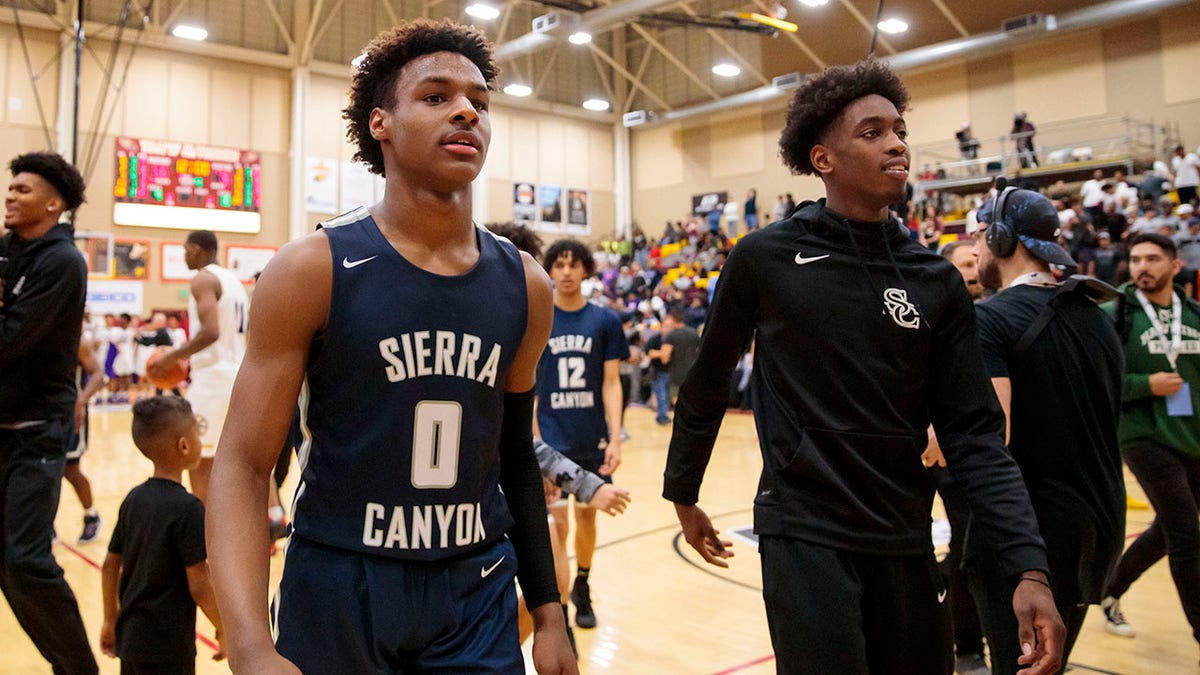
<point>56,171</point>
<point>819,102</point>
<point>524,238</point>
<point>374,82</point>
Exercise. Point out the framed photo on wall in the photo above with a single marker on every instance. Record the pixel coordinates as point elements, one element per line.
<point>97,249</point>
<point>246,261</point>
<point>173,267</point>
<point>131,259</point>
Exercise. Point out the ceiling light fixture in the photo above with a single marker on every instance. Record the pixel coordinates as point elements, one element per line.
<point>516,89</point>
<point>580,38</point>
<point>814,3</point>
<point>726,70</point>
<point>481,10</point>
<point>596,104</point>
<point>189,32</point>
<point>893,26</point>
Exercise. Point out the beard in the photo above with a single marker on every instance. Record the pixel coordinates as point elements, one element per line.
<point>989,275</point>
<point>1150,284</point>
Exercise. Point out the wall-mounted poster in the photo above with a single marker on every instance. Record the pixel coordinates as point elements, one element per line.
<point>712,201</point>
<point>525,208</point>
<point>131,259</point>
<point>578,214</point>
<point>321,185</point>
<point>186,186</point>
<point>246,261</point>
<point>550,201</point>
<point>97,249</point>
<point>174,267</point>
<point>358,186</point>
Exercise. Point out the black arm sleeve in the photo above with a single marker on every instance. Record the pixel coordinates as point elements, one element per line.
<point>522,484</point>
<point>705,391</point>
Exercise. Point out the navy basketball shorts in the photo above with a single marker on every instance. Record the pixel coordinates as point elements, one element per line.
<point>340,611</point>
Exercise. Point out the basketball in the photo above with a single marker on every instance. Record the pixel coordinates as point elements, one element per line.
<point>174,377</point>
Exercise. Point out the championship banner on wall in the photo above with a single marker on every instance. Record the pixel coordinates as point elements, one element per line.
<point>186,186</point>
<point>710,201</point>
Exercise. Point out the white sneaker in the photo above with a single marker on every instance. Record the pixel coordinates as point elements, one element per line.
<point>1114,620</point>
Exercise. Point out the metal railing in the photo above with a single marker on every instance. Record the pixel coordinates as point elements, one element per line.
<point>1116,139</point>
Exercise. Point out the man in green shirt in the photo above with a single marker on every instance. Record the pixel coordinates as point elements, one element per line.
<point>1159,430</point>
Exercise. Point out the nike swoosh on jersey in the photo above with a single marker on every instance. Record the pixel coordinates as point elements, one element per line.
<point>346,262</point>
<point>941,596</point>
<point>483,572</point>
<point>801,260</point>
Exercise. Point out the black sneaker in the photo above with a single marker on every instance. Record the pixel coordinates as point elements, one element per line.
<point>91,528</point>
<point>1114,619</point>
<point>582,598</point>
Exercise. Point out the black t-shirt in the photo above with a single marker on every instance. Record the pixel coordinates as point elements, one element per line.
<point>159,534</point>
<point>685,342</point>
<point>655,342</point>
<point>158,338</point>
<point>1066,399</point>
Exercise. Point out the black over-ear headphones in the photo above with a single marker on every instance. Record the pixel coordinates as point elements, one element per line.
<point>1001,237</point>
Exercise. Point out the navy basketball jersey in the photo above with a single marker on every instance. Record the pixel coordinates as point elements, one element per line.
<point>570,379</point>
<point>404,397</point>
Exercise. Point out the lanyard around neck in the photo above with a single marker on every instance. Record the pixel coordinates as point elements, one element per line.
<point>1170,345</point>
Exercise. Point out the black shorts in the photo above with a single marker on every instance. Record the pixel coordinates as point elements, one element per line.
<point>832,611</point>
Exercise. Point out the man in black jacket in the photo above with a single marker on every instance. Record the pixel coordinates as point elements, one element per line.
<point>1056,365</point>
<point>861,338</point>
<point>43,281</point>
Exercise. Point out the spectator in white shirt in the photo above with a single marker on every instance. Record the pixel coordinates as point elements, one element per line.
<point>1187,174</point>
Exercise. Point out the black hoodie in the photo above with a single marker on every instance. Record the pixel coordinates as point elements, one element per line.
<point>45,284</point>
<point>862,338</point>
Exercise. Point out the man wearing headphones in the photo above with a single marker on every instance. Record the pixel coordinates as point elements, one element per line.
<point>1056,364</point>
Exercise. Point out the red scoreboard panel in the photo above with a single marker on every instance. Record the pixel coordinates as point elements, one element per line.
<point>186,186</point>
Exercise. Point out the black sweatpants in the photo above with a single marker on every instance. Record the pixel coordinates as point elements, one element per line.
<point>994,597</point>
<point>831,611</point>
<point>31,472</point>
<point>968,634</point>
<point>1172,483</point>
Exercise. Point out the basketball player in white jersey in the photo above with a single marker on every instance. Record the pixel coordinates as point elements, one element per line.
<point>217,317</point>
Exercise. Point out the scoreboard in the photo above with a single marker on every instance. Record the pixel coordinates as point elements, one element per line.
<point>188,186</point>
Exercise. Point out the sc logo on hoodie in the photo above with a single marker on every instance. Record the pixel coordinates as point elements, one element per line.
<point>903,312</point>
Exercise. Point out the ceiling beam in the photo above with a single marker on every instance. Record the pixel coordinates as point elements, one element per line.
<point>812,56</point>
<point>866,24</point>
<point>737,56</point>
<point>593,22</point>
<point>958,25</point>
<point>391,13</point>
<point>629,76</point>
<point>640,72</point>
<point>280,25</point>
<point>175,13</point>
<point>712,93</point>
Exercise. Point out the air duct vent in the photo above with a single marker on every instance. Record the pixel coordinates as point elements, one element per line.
<point>788,81</point>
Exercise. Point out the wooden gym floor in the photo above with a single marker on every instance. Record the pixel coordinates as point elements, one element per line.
<point>660,608</point>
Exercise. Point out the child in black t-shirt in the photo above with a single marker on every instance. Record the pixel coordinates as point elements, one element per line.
<point>157,553</point>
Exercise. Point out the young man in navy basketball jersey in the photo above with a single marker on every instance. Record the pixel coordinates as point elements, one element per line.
<point>419,490</point>
<point>579,398</point>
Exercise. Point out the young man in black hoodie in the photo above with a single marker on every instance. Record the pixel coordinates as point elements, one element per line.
<point>862,338</point>
<point>43,283</point>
